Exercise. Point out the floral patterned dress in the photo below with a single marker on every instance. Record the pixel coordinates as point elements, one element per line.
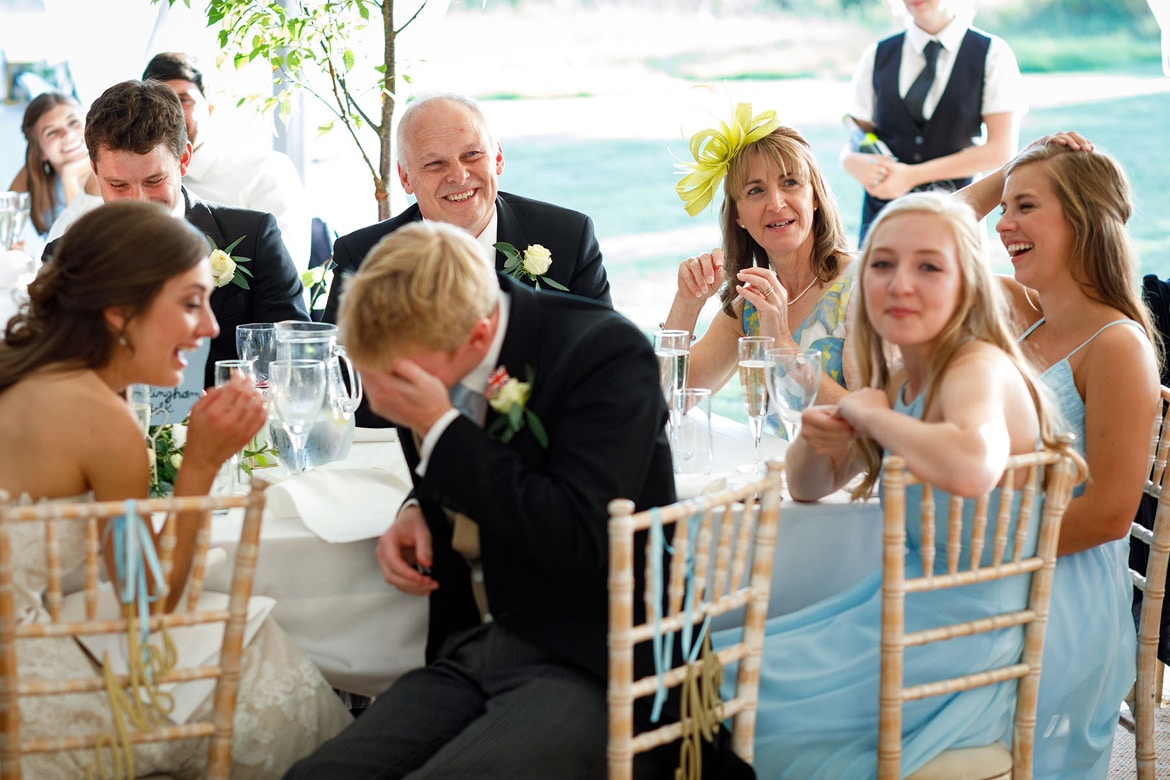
<point>823,329</point>
<point>285,708</point>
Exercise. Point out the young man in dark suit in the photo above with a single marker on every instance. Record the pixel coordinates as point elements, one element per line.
<point>449,162</point>
<point>505,530</point>
<point>137,140</point>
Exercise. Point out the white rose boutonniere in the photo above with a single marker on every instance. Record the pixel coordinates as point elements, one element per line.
<point>532,264</point>
<point>509,398</point>
<point>227,268</point>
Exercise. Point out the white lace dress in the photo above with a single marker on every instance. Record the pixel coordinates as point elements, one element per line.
<point>284,711</point>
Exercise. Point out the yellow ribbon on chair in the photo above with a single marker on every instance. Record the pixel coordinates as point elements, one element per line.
<point>714,149</point>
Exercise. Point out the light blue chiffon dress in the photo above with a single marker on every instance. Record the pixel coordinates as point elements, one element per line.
<point>1090,648</point>
<point>818,711</point>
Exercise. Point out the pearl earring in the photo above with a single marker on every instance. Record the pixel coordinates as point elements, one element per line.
<point>122,342</point>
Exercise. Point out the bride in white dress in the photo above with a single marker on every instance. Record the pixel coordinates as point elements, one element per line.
<point>125,297</point>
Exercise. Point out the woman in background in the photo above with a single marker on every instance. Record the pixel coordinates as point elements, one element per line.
<point>56,163</point>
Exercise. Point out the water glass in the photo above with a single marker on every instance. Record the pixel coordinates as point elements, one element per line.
<point>298,393</point>
<point>224,371</point>
<point>673,350</point>
<point>794,377</point>
<point>691,440</point>
<point>23,208</point>
<point>256,342</point>
<point>8,208</point>
<point>138,397</point>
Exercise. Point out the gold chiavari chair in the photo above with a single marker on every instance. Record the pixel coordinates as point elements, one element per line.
<point>718,561</point>
<point>51,520</point>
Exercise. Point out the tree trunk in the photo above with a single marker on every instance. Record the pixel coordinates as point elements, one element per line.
<point>389,98</point>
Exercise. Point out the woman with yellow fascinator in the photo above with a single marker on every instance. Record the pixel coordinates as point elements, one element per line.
<point>782,269</point>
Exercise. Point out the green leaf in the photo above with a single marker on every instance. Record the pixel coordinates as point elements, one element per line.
<point>228,249</point>
<point>243,270</point>
<point>554,284</point>
<point>347,58</point>
<point>537,428</point>
<point>239,281</point>
<point>516,417</point>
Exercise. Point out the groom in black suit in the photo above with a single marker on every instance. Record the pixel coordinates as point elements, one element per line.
<point>137,140</point>
<point>505,530</point>
<point>449,162</point>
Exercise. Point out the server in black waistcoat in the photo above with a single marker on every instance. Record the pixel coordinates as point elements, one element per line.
<point>928,94</point>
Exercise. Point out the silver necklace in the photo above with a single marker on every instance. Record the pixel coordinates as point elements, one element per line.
<point>802,292</point>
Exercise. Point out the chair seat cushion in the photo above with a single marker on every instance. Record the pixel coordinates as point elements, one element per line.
<point>980,763</point>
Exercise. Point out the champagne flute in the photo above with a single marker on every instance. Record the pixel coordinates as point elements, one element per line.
<point>673,350</point>
<point>794,377</point>
<point>298,392</point>
<point>8,209</point>
<point>224,371</point>
<point>752,377</point>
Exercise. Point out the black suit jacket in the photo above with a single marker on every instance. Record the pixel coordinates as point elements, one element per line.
<point>567,234</point>
<point>275,290</point>
<point>542,513</point>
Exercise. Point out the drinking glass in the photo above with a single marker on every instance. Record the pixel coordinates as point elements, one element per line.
<point>673,350</point>
<point>691,439</point>
<point>138,397</point>
<point>8,209</point>
<point>752,354</point>
<point>257,342</point>
<point>794,376</point>
<point>224,371</point>
<point>298,392</point>
<point>23,207</point>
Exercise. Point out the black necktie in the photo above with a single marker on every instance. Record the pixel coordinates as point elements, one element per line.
<point>916,95</point>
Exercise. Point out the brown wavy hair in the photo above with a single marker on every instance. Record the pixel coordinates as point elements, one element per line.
<point>1095,195</point>
<point>789,150</point>
<point>117,256</point>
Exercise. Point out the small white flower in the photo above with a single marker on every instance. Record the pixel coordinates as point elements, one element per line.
<point>223,268</point>
<point>537,260</point>
<point>177,459</point>
<point>179,435</point>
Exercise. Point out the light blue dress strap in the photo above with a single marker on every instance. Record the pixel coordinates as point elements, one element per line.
<point>1031,328</point>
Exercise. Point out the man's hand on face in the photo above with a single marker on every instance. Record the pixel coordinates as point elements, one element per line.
<point>406,394</point>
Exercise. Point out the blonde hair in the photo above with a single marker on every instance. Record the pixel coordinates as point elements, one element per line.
<point>422,287</point>
<point>982,312</point>
<point>789,150</point>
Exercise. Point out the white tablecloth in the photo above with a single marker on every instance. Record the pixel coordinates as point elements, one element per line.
<point>362,633</point>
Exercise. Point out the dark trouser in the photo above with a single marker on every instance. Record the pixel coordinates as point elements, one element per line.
<point>492,706</point>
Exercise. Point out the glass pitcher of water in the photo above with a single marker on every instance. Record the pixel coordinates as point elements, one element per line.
<point>332,433</point>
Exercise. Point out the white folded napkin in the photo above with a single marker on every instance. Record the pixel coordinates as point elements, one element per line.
<point>375,434</point>
<point>342,503</point>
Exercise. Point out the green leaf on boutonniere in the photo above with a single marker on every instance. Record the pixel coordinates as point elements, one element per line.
<point>532,264</point>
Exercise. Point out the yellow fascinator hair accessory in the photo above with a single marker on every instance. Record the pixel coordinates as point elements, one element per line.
<point>713,151</point>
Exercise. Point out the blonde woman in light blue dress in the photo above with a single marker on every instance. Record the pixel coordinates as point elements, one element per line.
<point>960,402</point>
<point>784,267</point>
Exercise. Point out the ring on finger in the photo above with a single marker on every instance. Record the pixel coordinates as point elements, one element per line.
<point>767,293</point>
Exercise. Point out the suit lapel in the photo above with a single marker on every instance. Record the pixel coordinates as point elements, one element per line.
<point>200,216</point>
<point>508,229</point>
<point>518,353</point>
